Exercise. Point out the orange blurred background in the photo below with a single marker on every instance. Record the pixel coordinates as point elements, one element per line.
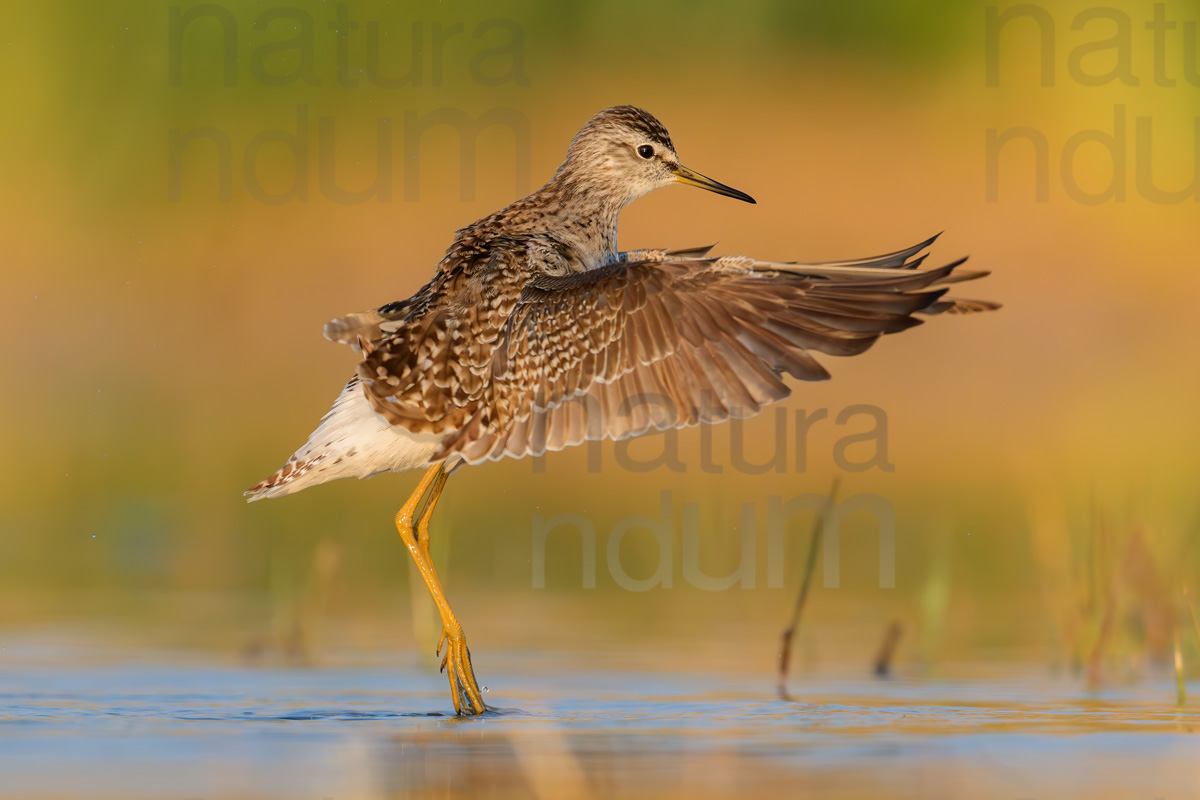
<point>165,350</point>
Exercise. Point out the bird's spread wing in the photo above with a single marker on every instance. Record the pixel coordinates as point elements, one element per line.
<point>656,344</point>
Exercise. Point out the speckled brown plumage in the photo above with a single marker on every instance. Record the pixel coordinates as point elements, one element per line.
<point>536,333</point>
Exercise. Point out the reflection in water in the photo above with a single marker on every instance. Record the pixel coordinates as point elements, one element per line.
<point>140,731</point>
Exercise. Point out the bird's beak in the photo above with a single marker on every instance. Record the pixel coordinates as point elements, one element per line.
<point>689,178</point>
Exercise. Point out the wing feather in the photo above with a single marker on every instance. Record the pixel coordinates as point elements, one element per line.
<point>681,338</point>
<point>504,360</point>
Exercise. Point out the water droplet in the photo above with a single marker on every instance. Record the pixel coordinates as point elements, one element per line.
<point>483,690</point>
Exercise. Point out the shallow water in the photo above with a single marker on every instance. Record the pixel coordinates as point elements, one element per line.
<point>153,725</point>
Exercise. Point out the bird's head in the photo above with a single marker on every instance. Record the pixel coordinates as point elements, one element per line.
<point>624,152</point>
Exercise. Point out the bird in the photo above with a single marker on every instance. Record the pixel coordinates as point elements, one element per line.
<point>537,333</point>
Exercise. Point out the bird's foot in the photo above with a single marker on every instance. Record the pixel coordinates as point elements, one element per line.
<point>456,663</point>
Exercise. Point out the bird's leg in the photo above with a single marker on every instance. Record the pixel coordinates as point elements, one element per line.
<point>435,491</point>
<point>457,660</point>
<point>468,700</point>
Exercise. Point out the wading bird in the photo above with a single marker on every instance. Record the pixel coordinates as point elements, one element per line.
<point>535,334</point>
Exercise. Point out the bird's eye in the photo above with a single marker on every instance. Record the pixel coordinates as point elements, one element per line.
<point>646,151</point>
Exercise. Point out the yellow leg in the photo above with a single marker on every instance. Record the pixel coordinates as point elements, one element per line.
<point>435,491</point>
<point>468,700</point>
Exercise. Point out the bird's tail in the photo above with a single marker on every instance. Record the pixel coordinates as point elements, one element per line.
<point>320,457</point>
<point>352,441</point>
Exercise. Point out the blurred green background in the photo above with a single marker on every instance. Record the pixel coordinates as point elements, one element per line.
<point>168,263</point>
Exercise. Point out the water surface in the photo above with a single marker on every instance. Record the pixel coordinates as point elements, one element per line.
<point>157,725</point>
